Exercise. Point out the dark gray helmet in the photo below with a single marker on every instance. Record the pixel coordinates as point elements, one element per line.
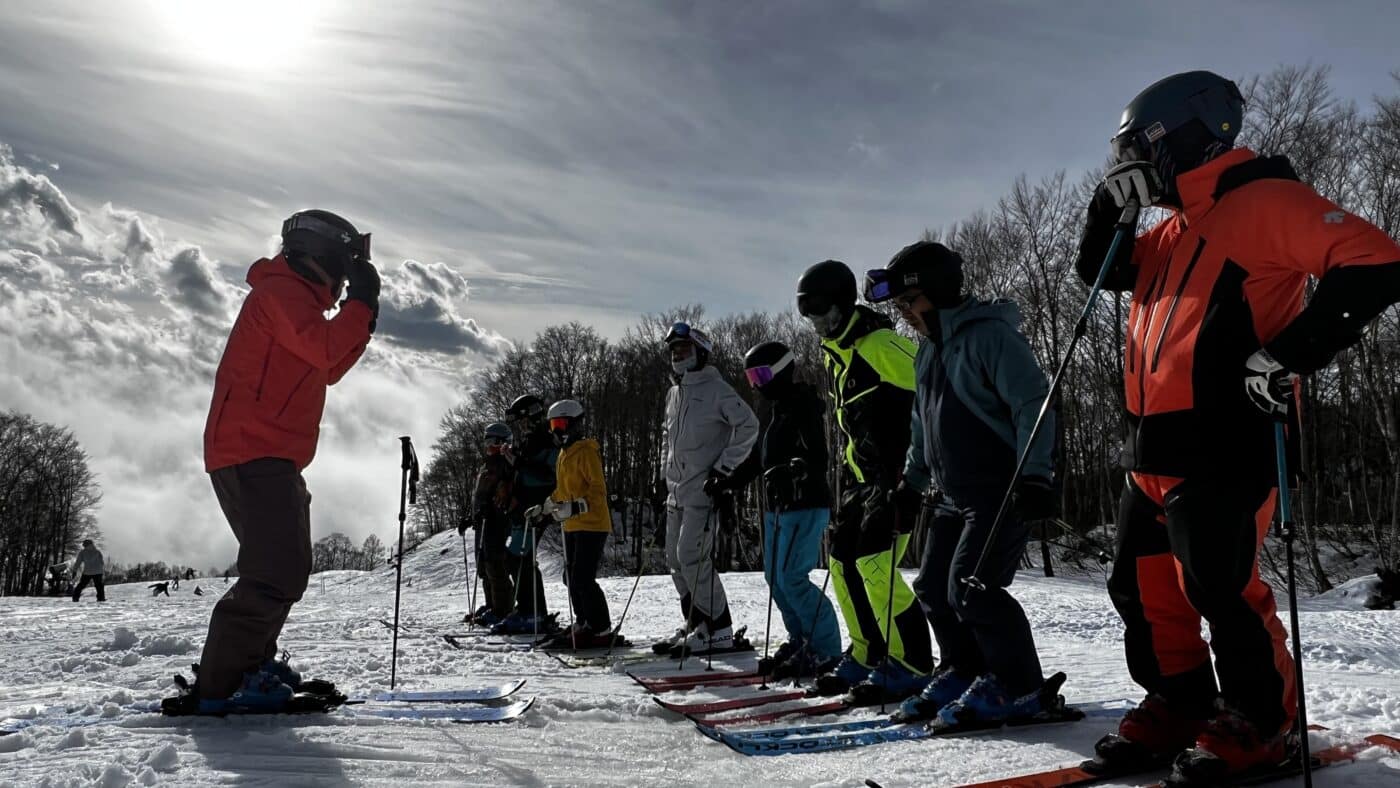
<point>332,240</point>
<point>826,296</point>
<point>1180,122</point>
<point>930,266</point>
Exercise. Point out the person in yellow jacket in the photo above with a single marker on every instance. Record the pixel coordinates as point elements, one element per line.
<point>580,503</point>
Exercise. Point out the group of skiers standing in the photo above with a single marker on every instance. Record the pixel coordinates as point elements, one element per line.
<point>934,431</point>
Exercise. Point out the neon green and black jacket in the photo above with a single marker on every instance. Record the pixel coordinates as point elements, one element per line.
<point>871,370</point>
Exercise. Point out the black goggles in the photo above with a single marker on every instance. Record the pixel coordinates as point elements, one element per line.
<point>813,305</point>
<point>353,245</point>
<point>1136,145</point>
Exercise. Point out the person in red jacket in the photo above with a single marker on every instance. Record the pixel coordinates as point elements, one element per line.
<point>269,392</point>
<point>1217,334</point>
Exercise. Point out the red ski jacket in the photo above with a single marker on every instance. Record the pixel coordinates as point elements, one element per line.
<point>270,387</point>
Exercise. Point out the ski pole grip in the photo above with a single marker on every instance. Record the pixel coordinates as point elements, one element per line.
<point>1130,213</point>
<point>972,582</point>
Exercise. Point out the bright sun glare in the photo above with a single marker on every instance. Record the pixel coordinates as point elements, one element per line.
<point>248,34</point>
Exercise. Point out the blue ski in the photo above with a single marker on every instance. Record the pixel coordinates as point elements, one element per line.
<point>474,694</point>
<point>462,714</point>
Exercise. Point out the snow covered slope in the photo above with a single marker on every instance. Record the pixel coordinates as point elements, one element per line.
<point>590,726</point>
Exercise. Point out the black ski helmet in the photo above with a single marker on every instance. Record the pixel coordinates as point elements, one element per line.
<point>1179,123</point>
<point>769,367</point>
<point>826,295</point>
<point>330,239</point>
<point>526,406</point>
<point>928,265</point>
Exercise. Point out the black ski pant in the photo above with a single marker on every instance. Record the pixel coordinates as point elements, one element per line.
<point>1188,549</point>
<point>494,565</point>
<point>269,510</point>
<point>978,631</point>
<point>585,552</point>
<point>96,581</point>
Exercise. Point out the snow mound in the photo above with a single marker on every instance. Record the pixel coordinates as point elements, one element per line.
<point>163,759</point>
<point>166,646</point>
<point>1351,595</point>
<point>115,776</point>
<point>15,742</point>
<point>122,639</point>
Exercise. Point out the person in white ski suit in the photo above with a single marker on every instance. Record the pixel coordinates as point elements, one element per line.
<point>707,432</point>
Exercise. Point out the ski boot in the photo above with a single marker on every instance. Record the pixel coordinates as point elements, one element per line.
<point>788,650</point>
<point>847,673</point>
<point>804,665</point>
<point>666,645</point>
<point>986,704</point>
<point>701,642</point>
<point>1229,748</point>
<point>889,682</point>
<point>1148,736</point>
<point>946,686</point>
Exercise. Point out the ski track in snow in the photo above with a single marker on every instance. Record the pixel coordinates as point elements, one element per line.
<point>590,726</point>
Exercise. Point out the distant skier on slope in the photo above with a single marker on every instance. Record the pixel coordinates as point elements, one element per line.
<point>871,374</point>
<point>707,432</point>
<point>535,456</point>
<point>793,458</point>
<point>88,568</point>
<point>157,589</point>
<point>491,503</point>
<point>580,504</point>
<point>1217,335</point>
<point>978,392</point>
<point>264,419</point>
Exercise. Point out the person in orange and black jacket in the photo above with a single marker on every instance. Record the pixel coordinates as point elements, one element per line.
<point>580,503</point>
<point>1217,334</point>
<point>264,420</point>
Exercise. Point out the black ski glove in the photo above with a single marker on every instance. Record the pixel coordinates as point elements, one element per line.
<point>364,287</point>
<point>718,483</point>
<point>1035,499</point>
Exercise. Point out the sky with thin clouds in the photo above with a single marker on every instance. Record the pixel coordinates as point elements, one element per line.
<point>519,163</point>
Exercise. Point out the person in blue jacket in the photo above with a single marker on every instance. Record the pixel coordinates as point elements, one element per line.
<point>978,391</point>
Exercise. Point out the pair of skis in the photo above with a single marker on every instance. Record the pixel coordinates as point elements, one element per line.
<point>1069,776</point>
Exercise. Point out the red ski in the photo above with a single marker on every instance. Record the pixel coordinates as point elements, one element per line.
<point>1078,775</point>
<point>830,707</point>
<point>711,707</point>
<point>684,681</point>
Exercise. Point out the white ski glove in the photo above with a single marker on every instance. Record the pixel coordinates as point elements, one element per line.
<point>1134,180</point>
<point>535,512</point>
<point>1269,385</point>
<point>563,510</point>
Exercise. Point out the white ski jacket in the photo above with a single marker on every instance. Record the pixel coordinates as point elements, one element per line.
<point>707,425</point>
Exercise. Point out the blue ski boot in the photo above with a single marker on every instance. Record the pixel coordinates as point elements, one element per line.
<point>947,686</point>
<point>283,672</point>
<point>261,693</point>
<point>889,682</point>
<point>847,673</point>
<point>987,704</point>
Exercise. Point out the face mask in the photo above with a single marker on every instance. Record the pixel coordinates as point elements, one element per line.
<point>827,324</point>
<point>684,365</point>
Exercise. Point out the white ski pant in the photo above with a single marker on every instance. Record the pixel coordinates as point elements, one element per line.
<point>688,548</point>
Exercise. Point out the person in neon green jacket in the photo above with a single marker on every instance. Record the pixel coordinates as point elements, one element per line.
<point>871,369</point>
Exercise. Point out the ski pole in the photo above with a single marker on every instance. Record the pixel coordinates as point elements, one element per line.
<point>1127,223</point>
<point>772,578</point>
<point>568,586</point>
<point>714,570</point>
<point>694,581</point>
<point>636,582</point>
<point>889,617</point>
<point>1285,530</point>
<point>475,573</point>
<point>408,490</point>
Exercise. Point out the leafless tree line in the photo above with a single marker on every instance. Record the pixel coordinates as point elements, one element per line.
<point>1024,248</point>
<point>47,499</point>
<point>336,551</point>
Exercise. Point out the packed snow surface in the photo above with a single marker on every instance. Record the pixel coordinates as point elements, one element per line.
<point>65,662</point>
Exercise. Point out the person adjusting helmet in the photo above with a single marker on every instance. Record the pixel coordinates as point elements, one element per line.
<point>1217,333</point>
<point>792,455</point>
<point>690,348</point>
<point>580,503</point>
<point>871,373</point>
<point>264,423</point>
<point>707,432</point>
<point>826,296</point>
<point>491,505</point>
<point>978,393</point>
<point>498,437</point>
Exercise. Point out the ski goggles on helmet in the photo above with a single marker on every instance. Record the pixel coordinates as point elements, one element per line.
<point>336,239</point>
<point>809,304</point>
<point>763,375</point>
<point>882,284</point>
<point>682,332</point>
<point>559,424</point>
